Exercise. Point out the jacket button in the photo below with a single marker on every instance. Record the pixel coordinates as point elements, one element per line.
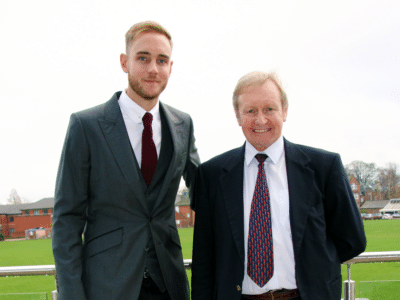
<point>146,249</point>
<point>238,288</point>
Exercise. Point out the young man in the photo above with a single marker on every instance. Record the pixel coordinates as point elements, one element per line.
<point>117,181</point>
<point>274,220</point>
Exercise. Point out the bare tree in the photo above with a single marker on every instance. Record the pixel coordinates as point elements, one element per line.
<point>25,200</point>
<point>365,173</point>
<point>389,182</point>
<point>14,198</point>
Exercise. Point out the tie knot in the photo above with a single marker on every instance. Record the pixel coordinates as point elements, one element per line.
<point>147,119</point>
<point>261,157</point>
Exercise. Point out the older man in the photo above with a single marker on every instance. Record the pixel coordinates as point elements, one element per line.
<point>274,220</point>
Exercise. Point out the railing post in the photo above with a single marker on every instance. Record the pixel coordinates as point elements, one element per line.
<point>54,293</point>
<point>349,286</point>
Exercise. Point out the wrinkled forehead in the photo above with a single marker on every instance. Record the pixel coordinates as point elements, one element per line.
<point>267,93</point>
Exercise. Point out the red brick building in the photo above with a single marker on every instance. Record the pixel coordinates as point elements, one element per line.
<point>8,213</point>
<point>356,189</point>
<point>16,219</point>
<point>184,216</point>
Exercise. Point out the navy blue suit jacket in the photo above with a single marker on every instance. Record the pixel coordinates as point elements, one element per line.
<point>326,225</point>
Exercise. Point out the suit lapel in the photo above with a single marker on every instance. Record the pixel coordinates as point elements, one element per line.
<point>116,135</point>
<point>300,181</point>
<point>179,135</point>
<point>232,190</point>
<point>300,178</point>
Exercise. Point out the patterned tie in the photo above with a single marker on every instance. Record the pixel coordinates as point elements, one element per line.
<point>260,261</point>
<point>149,152</point>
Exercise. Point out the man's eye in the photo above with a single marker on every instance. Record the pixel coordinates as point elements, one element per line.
<point>142,58</point>
<point>162,61</point>
<point>269,110</point>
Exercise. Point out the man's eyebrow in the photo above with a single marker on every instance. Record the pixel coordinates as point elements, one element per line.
<point>148,53</point>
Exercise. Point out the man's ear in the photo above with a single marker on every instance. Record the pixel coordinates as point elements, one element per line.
<point>170,68</point>
<point>285,111</point>
<point>238,118</point>
<point>124,62</point>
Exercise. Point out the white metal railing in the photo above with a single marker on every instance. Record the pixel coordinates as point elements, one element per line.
<point>31,270</point>
<point>349,285</point>
<point>28,270</point>
<point>365,257</point>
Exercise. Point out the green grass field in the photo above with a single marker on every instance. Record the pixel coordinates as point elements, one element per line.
<point>382,235</point>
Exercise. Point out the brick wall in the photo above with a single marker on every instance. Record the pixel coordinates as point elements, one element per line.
<point>355,187</point>
<point>22,223</point>
<point>4,225</point>
<point>184,216</point>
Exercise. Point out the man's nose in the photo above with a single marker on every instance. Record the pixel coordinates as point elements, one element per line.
<point>261,119</point>
<point>152,67</point>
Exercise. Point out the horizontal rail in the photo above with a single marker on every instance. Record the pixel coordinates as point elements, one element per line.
<point>28,270</point>
<point>371,257</point>
<point>365,257</point>
<point>187,263</point>
<point>48,269</point>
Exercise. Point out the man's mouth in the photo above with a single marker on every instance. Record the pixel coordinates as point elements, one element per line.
<point>261,130</point>
<point>151,81</point>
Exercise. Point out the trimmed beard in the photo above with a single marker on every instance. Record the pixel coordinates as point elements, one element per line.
<point>135,85</point>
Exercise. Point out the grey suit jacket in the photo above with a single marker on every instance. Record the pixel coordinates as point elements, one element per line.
<point>100,193</point>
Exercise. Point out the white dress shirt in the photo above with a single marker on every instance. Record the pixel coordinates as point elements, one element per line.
<point>275,170</point>
<point>133,114</point>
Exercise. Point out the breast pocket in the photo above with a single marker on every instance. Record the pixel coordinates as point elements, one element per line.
<point>103,242</point>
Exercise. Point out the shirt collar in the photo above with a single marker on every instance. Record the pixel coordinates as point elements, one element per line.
<point>136,112</point>
<point>274,151</point>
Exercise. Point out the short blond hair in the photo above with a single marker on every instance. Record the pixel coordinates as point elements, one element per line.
<point>257,78</point>
<point>146,26</point>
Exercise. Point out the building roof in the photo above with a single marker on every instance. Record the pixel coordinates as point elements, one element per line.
<point>16,209</point>
<point>374,204</point>
<point>44,203</point>
<point>12,209</point>
<point>393,205</point>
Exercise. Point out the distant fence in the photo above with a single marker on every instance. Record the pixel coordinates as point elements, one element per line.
<point>184,223</point>
<point>39,233</point>
<point>17,234</point>
<point>32,234</point>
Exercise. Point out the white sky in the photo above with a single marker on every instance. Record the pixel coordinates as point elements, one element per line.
<point>338,60</point>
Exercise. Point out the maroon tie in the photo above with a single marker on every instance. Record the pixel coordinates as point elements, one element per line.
<point>149,152</point>
<point>260,260</point>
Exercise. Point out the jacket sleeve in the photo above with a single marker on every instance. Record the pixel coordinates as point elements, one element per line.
<point>343,220</point>
<point>69,217</point>
<point>203,263</point>
<point>192,162</point>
